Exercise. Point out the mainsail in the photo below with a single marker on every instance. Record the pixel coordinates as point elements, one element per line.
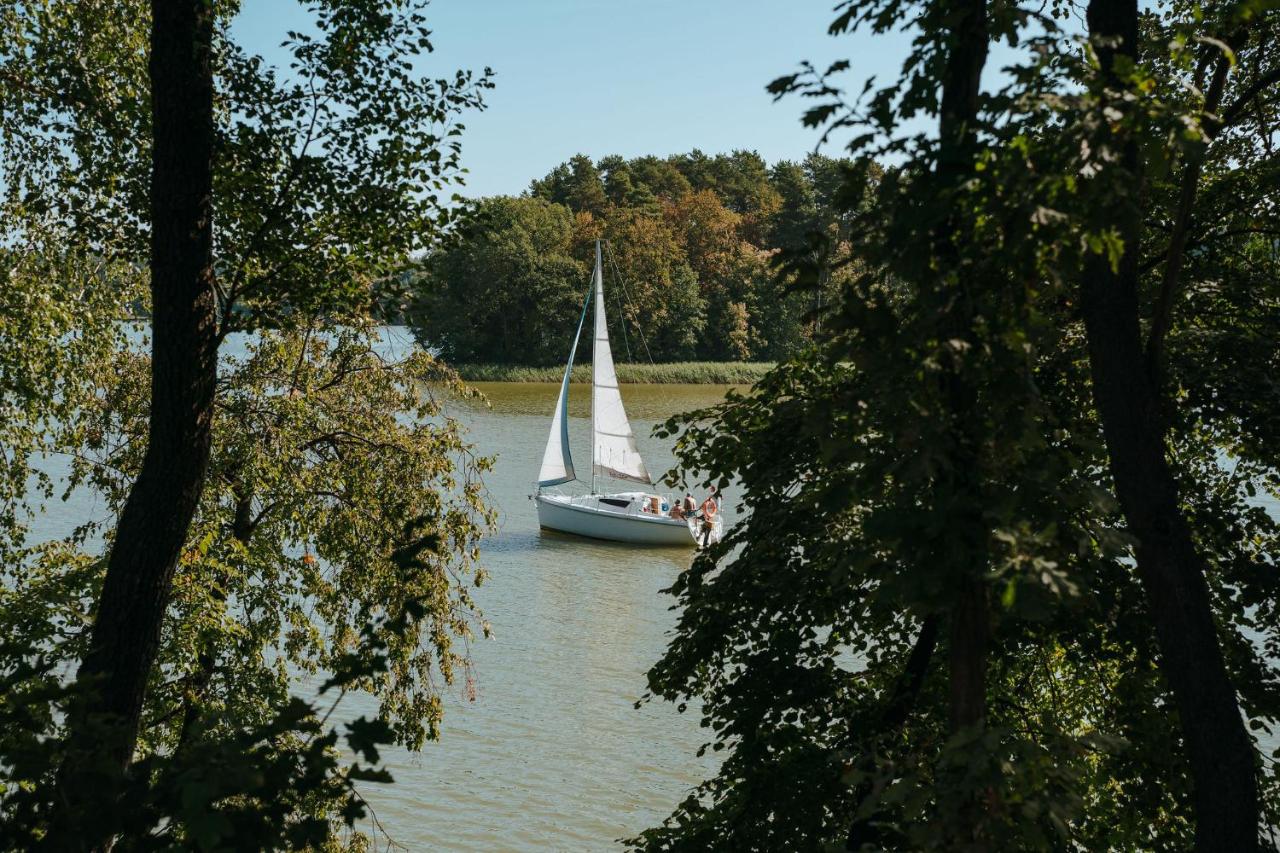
<point>557,463</point>
<point>613,443</point>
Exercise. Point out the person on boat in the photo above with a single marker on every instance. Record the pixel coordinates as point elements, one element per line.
<point>690,505</point>
<point>709,509</point>
<point>677,511</point>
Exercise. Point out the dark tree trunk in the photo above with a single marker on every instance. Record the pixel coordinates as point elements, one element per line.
<point>968,693</point>
<point>1171,570</point>
<point>155,519</point>
<point>968,553</point>
<point>966,56</point>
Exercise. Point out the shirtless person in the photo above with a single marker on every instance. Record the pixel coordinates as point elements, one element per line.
<point>709,509</point>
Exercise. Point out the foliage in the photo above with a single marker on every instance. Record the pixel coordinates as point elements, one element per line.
<point>273,784</point>
<point>341,498</point>
<point>509,270</point>
<point>320,196</point>
<point>945,430</point>
<point>691,244</point>
<point>334,177</point>
<point>338,530</point>
<point>59,329</point>
<point>332,461</point>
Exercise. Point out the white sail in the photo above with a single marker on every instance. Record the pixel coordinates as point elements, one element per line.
<point>557,462</point>
<point>614,444</point>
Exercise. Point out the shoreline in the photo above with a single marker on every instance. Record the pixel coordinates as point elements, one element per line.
<point>677,373</point>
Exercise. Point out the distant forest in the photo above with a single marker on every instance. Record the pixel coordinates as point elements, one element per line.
<point>691,238</point>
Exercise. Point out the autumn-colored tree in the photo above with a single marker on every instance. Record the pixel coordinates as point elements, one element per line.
<point>700,282</point>
<point>663,305</point>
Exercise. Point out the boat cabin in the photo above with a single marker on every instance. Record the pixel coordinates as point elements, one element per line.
<point>638,501</point>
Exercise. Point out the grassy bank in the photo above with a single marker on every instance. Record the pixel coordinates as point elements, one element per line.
<point>679,373</point>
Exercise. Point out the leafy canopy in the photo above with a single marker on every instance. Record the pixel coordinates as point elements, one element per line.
<point>692,240</point>
<point>338,531</point>
<point>943,430</point>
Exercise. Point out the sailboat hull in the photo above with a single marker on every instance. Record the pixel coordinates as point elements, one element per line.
<point>600,517</point>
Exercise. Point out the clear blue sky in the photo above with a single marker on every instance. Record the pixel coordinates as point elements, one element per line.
<point>619,76</point>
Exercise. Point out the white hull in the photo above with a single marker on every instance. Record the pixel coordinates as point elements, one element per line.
<point>590,515</point>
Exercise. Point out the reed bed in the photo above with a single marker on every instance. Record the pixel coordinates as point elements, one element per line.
<point>677,373</point>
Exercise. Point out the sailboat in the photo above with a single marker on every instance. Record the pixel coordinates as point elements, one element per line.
<point>634,516</point>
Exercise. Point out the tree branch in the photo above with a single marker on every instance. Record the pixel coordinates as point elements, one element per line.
<point>1176,254</point>
<point>1233,113</point>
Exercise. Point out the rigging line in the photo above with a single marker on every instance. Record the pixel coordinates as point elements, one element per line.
<point>627,294</point>
<point>622,312</point>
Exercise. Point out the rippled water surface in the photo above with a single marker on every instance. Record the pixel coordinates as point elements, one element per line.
<point>552,755</point>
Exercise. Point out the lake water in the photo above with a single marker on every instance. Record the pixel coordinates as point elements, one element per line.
<point>552,755</point>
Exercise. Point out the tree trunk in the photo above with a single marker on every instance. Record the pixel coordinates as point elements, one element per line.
<point>969,656</point>
<point>967,550</point>
<point>966,56</point>
<point>153,525</point>
<point>1172,572</point>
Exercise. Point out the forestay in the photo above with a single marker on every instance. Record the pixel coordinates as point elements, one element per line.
<point>614,444</point>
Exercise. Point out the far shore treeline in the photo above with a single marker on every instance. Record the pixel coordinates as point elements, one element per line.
<point>690,274</point>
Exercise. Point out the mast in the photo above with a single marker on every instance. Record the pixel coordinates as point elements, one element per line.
<point>598,272</point>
